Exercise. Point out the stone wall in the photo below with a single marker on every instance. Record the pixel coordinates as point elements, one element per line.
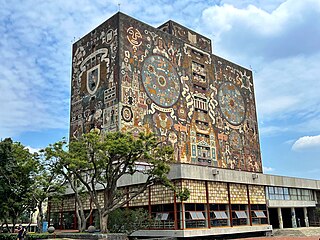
<point>199,103</point>
<point>94,85</point>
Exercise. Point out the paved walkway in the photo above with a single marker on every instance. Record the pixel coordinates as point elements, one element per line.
<point>281,238</point>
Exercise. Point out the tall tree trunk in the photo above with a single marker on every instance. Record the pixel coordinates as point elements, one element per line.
<point>40,217</point>
<point>82,217</point>
<point>83,220</point>
<point>103,222</point>
<point>79,221</point>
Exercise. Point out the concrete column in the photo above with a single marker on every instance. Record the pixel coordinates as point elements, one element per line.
<point>293,218</point>
<point>248,216</point>
<point>280,218</point>
<point>182,216</point>
<point>206,216</point>
<point>228,214</point>
<point>305,213</point>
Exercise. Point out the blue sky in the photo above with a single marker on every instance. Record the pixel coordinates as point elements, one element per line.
<point>279,40</point>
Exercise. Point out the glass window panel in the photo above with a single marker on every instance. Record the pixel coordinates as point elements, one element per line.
<point>293,191</point>
<point>241,214</point>
<point>158,216</point>
<point>285,190</point>
<point>220,215</point>
<point>224,215</point>
<point>194,215</point>
<point>200,215</point>
<point>259,214</point>
<point>271,189</point>
<point>164,216</point>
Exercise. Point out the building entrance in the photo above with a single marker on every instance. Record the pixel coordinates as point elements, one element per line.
<point>274,217</point>
<point>300,217</point>
<point>286,217</point>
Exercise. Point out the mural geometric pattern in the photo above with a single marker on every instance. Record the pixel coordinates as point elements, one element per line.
<point>160,81</point>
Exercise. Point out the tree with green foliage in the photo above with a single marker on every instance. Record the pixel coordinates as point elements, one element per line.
<point>57,157</point>
<point>48,182</point>
<point>99,161</point>
<point>18,168</point>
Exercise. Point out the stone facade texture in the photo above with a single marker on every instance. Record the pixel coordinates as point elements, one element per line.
<point>129,76</point>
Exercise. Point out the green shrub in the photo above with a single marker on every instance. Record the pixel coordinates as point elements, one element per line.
<point>30,236</point>
<point>127,220</point>
<point>8,236</point>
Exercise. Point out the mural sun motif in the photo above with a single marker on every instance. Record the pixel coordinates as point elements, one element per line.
<point>161,81</point>
<point>231,103</point>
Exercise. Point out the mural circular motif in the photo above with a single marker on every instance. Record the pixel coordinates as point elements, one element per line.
<point>126,114</point>
<point>231,103</point>
<point>235,140</point>
<point>160,81</point>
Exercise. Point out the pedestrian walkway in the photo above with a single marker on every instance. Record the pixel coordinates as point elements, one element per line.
<point>302,232</point>
<point>281,238</point>
<point>306,233</point>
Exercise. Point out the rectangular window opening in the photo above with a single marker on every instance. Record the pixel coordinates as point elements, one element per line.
<point>259,214</point>
<point>220,215</point>
<point>241,214</point>
<point>197,216</point>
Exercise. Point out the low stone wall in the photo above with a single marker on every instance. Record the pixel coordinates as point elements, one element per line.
<point>93,236</point>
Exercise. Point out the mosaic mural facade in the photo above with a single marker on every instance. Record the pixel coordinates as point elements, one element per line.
<point>129,76</point>
<point>203,105</point>
<point>94,87</point>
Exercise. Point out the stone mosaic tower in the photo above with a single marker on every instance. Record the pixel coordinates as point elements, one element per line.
<point>129,76</point>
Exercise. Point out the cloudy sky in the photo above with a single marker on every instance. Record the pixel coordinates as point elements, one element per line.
<point>279,40</point>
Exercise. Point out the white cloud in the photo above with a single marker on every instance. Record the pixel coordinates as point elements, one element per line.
<point>33,150</point>
<point>35,49</point>
<point>267,169</point>
<point>288,86</point>
<point>290,142</point>
<point>287,31</point>
<point>307,142</point>
<point>270,130</point>
<point>280,43</point>
<point>269,5</point>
